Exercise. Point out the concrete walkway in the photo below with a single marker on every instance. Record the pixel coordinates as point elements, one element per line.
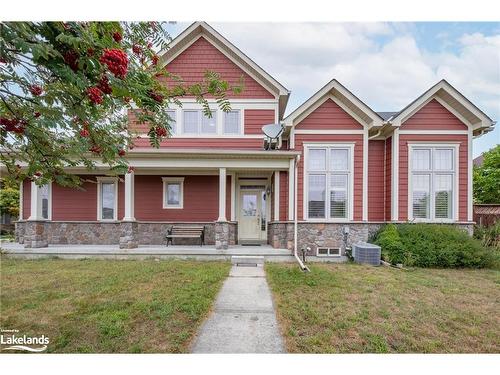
<point>244,320</point>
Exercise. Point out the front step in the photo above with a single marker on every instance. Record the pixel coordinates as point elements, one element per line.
<point>247,260</point>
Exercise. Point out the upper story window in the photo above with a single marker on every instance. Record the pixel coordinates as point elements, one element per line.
<point>173,122</point>
<point>432,182</point>
<point>328,187</point>
<point>173,192</point>
<point>107,198</point>
<point>196,122</point>
<point>232,123</point>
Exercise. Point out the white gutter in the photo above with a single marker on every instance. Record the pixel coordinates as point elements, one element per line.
<point>303,267</point>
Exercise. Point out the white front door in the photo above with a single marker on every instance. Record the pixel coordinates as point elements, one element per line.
<point>249,224</point>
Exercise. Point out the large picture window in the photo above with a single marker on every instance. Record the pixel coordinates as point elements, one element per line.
<point>328,173</point>
<point>432,182</point>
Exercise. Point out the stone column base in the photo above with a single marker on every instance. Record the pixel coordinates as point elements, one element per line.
<point>221,235</point>
<point>129,236</point>
<point>35,234</point>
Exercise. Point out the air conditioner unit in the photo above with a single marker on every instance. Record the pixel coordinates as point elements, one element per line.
<point>366,253</point>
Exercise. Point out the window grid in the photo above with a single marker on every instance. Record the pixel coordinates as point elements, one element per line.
<point>433,197</point>
<point>196,123</point>
<point>329,178</point>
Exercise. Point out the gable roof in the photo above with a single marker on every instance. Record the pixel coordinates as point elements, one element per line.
<point>453,100</point>
<point>337,92</point>
<point>198,29</point>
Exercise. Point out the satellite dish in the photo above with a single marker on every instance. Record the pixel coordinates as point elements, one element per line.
<point>272,133</point>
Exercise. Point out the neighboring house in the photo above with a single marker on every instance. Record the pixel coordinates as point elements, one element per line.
<point>348,168</point>
<point>478,161</point>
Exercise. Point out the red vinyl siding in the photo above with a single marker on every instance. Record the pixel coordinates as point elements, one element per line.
<point>283,195</point>
<point>329,116</point>
<point>203,56</point>
<point>201,199</point>
<point>462,172</point>
<point>376,180</point>
<point>26,199</point>
<point>256,118</point>
<point>388,178</point>
<point>71,204</point>
<point>358,167</point>
<point>433,116</point>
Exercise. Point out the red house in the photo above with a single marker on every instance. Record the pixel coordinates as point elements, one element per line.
<point>339,170</point>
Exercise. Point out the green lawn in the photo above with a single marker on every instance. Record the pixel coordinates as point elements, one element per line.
<point>350,308</point>
<point>109,306</point>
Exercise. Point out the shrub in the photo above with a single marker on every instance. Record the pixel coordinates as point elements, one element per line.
<point>489,236</point>
<point>431,245</point>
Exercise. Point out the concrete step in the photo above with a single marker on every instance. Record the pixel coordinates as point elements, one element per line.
<point>247,260</point>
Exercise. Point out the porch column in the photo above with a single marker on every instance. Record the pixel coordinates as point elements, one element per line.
<point>129,197</point>
<point>222,194</point>
<point>36,203</point>
<point>35,234</point>
<point>291,189</point>
<point>276,196</point>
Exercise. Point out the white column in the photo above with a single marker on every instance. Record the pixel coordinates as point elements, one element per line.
<point>276,196</point>
<point>129,197</point>
<point>233,197</point>
<point>21,188</point>
<point>291,185</point>
<point>222,194</point>
<point>365,175</point>
<point>36,203</point>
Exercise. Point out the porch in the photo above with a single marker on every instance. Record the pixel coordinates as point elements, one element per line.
<point>209,252</point>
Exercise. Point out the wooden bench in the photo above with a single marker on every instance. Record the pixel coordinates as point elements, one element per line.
<point>186,232</point>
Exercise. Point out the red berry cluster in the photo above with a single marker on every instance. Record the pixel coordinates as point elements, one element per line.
<point>161,132</point>
<point>13,125</point>
<point>104,85</point>
<point>116,60</point>
<point>121,152</point>
<point>117,37</point>
<point>130,169</point>
<point>95,95</point>
<point>71,58</point>
<point>37,114</point>
<point>136,49</point>
<point>155,59</point>
<point>90,51</point>
<point>84,133</point>
<point>35,90</point>
<point>95,149</point>
<point>154,95</point>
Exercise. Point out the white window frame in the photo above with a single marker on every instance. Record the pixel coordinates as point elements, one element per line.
<point>200,116</point>
<point>173,115</point>
<point>329,252</point>
<point>328,173</point>
<point>240,122</point>
<point>178,180</point>
<point>455,147</point>
<point>107,180</point>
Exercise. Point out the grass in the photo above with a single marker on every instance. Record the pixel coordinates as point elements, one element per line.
<point>101,306</point>
<point>348,308</point>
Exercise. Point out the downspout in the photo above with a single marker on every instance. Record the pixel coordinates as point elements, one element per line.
<point>303,267</point>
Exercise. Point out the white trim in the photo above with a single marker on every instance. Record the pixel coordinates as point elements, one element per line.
<point>293,118</point>
<point>329,131</point>
<point>166,181</point>
<point>469,177</point>
<point>483,120</point>
<point>292,139</point>
<point>365,175</point>
<point>21,205</point>
<point>129,214</point>
<point>101,180</point>
<point>36,203</point>
<point>214,37</point>
<point>247,103</point>
<point>350,188</point>
<point>233,196</point>
<point>395,176</point>
<point>291,190</point>
<point>276,196</point>
<point>456,178</point>
<point>222,194</point>
<point>433,132</point>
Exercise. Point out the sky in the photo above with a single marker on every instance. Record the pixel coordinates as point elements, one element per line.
<point>387,65</point>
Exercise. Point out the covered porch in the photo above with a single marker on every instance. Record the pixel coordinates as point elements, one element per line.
<point>235,195</point>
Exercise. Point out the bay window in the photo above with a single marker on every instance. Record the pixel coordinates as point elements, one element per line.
<point>432,182</point>
<point>328,174</point>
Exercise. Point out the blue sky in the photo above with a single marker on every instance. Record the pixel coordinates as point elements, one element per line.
<point>387,65</point>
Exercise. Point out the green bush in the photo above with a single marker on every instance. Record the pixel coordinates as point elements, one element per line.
<point>431,245</point>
